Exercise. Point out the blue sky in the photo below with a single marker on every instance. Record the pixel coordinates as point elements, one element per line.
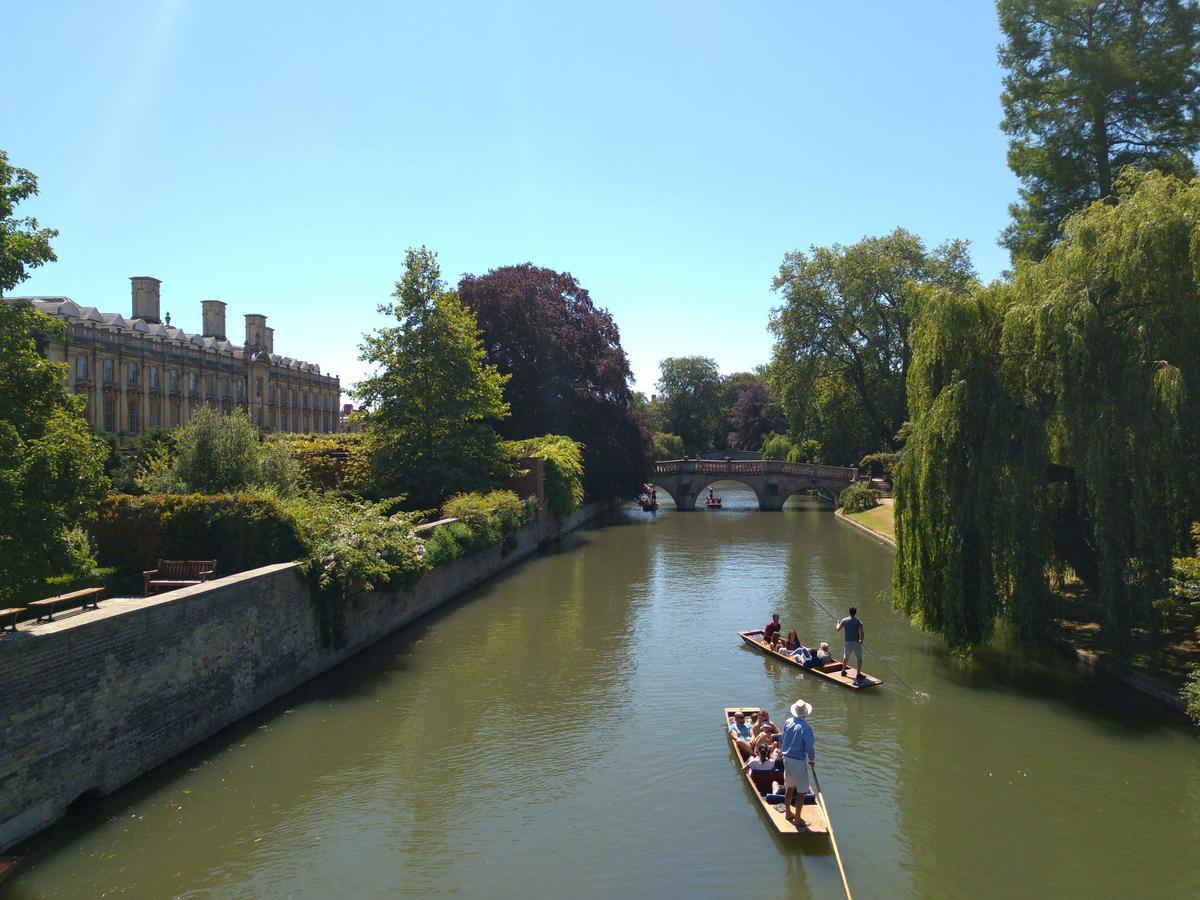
<point>282,156</point>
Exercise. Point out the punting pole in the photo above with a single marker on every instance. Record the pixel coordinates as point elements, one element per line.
<point>873,653</point>
<point>832,838</point>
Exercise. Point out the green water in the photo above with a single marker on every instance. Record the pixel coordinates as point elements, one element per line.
<point>558,733</point>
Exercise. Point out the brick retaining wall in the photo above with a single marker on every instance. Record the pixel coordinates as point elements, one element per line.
<point>92,701</point>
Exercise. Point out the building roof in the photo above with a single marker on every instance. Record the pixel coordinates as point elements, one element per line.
<point>67,309</point>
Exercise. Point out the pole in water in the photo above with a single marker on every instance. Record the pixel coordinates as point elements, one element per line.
<point>833,840</point>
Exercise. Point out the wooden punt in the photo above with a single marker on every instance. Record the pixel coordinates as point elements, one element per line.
<point>7,864</point>
<point>712,503</point>
<point>831,670</point>
<point>812,818</point>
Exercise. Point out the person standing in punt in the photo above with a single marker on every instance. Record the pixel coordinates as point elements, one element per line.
<point>855,632</point>
<point>798,749</point>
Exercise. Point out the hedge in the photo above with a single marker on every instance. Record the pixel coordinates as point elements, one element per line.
<point>239,531</point>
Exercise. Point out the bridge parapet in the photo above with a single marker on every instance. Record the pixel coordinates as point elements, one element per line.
<point>772,480</point>
<point>753,467</point>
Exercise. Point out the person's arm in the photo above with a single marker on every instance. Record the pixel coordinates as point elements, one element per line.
<point>838,626</point>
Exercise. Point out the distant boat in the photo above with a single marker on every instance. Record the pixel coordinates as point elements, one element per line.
<point>648,503</point>
<point>712,503</point>
<point>831,670</point>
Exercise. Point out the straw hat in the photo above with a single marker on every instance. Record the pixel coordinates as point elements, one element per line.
<point>801,710</point>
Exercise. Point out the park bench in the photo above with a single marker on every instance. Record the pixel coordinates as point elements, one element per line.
<point>178,573</point>
<point>8,618</point>
<point>88,598</point>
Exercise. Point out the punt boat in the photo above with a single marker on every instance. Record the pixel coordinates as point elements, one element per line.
<point>812,816</point>
<point>831,670</point>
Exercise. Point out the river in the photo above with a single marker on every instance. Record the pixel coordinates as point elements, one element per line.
<point>558,732</point>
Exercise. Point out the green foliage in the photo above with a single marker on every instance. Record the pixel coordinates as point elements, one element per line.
<point>1091,88</point>
<point>152,450</point>
<point>448,542</point>
<point>51,466</point>
<point>807,450</point>
<point>690,392</point>
<point>563,466</point>
<point>859,497</point>
<point>1051,414</point>
<point>333,462</point>
<point>218,454</point>
<point>489,516</point>
<point>842,350</point>
<point>776,446</point>
<point>23,244</point>
<point>240,531</point>
<point>432,398</point>
<point>1191,694</point>
<point>667,446</point>
<point>1185,582</point>
<point>356,545</point>
<point>883,463</point>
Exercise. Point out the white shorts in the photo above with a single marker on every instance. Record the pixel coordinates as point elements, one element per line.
<point>855,648</point>
<point>795,774</point>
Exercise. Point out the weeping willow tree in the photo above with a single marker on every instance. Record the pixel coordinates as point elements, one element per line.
<point>1054,421</point>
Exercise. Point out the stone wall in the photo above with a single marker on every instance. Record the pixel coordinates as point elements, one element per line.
<point>92,701</point>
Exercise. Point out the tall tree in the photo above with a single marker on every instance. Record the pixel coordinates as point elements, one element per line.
<point>845,319</point>
<point>433,399</point>
<point>51,466</point>
<point>1093,86</point>
<point>24,244</point>
<point>690,389</point>
<point>1057,414</point>
<point>752,416</point>
<point>568,373</point>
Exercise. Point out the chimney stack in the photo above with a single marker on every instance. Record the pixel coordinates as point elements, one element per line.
<point>256,332</point>
<point>145,298</point>
<point>214,318</point>
<point>270,340</point>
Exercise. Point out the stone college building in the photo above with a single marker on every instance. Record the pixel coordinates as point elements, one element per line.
<point>140,373</point>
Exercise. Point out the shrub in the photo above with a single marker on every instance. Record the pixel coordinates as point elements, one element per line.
<point>805,451</point>
<point>218,454</point>
<point>488,518</point>
<point>441,546</point>
<point>564,469</point>
<point>239,531</point>
<point>333,462</point>
<point>1191,693</point>
<point>858,498</point>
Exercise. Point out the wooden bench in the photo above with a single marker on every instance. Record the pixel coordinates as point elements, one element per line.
<point>8,618</point>
<point>177,573</point>
<point>90,598</point>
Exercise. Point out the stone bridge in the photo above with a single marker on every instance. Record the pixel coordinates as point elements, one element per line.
<point>772,480</point>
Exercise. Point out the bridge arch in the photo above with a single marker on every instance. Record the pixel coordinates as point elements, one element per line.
<point>772,481</point>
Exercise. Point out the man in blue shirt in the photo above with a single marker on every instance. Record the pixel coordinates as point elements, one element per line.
<point>855,633</point>
<point>798,748</point>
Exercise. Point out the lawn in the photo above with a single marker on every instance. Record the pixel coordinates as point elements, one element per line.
<point>879,519</point>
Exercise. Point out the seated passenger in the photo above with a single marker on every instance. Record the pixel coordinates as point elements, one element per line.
<point>764,728</point>
<point>792,642</point>
<point>804,656</point>
<point>762,770</point>
<point>823,654</point>
<point>743,736</point>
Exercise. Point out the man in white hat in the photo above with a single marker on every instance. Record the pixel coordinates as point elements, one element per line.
<point>798,741</point>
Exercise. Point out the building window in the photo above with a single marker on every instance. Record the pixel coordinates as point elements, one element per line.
<point>133,417</point>
<point>240,386</point>
<point>133,373</point>
<point>173,379</point>
<point>154,378</point>
<point>191,382</point>
<point>210,386</point>
<point>81,368</point>
<point>110,414</point>
<point>108,373</point>
<point>174,413</point>
<point>155,414</point>
<point>225,388</point>
<point>258,387</point>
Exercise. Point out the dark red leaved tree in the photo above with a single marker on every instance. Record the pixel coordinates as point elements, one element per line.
<point>568,372</point>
